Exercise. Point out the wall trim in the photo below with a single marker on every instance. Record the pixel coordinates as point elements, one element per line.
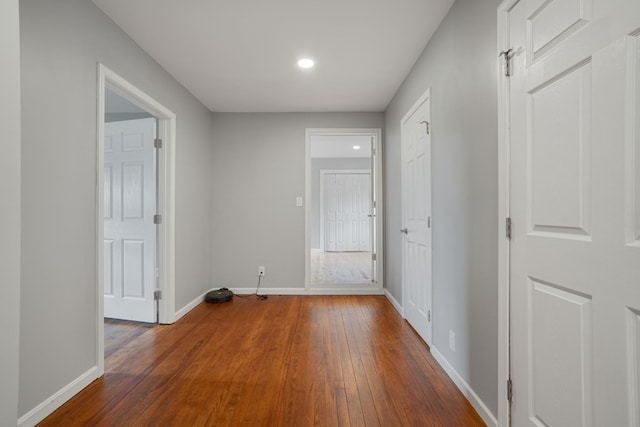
<point>466,390</point>
<point>166,197</point>
<point>49,405</point>
<point>190,306</point>
<point>305,291</point>
<point>378,233</point>
<point>394,302</point>
<point>504,185</point>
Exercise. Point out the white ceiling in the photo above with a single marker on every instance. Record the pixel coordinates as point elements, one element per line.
<point>240,55</point>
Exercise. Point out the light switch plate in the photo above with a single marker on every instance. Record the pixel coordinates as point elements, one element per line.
<point>298,201</point>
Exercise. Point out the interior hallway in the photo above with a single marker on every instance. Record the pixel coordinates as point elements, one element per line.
<point>285,361</point>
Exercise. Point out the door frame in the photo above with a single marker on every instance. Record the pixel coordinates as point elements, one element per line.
<point>324,172</point>
<point>424,97</point>
<point>376,288</point>
<point>166,198</point>
<point>504,199</point>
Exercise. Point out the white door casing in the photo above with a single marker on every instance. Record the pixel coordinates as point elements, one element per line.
<point>347,206</point>
<point>416,213</point>
<point>574,201</point>
<point>376,239</point>
<point>129,231</point>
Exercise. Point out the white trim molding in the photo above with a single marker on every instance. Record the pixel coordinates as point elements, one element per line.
<point>166,197</point>
<point>190,306</point>
<point>394,302</point>
<point>503,213</point>
<point>466,390</point>
<point>308,291</point>
<point>58,399</point>
<point>378,234</point>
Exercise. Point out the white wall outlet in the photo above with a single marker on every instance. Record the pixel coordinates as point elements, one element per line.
<point>261,270</point>
<point>452,341</point>
<point>299,201</point>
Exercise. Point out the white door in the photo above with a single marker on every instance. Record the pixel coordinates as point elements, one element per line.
<point>575,208</point>
<point>360,213</point>
<point>347,201</point>
<point>129,232</point>
<point>416,212</point>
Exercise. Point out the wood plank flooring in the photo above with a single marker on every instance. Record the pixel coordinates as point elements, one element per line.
<point>285,361</point>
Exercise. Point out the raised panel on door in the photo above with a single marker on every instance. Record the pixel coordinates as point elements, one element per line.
<point>560,154</point>
<point>132,191</point>
<point>133,258</point>
<point>633,363</point>
<point>329,182</point>
<point>560,353</point>
<point>342,213</point>
<point>552,21</point>
<point>108,192</point>
<point>108,268</point>
<point>633,143</point>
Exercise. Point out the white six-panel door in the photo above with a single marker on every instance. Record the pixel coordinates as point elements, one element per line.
<point>129,232</point>
<point>347,206</point>
<point>575,207</point>
<point>416,211</point>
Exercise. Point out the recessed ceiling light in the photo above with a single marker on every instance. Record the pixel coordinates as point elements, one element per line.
<point>306,63</point>
<point>356,147</point>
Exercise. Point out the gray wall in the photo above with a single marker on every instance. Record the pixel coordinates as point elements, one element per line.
<point>61,43</point>
<point>316,166</point>
<point>258,166</point>
<point>9,211</point>
<point>459,65</point>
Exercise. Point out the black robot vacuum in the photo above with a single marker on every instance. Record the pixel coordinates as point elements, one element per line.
<point>219,295</point>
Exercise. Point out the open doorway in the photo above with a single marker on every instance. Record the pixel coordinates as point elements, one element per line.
<point>343,206</point>
<point>135,207</point>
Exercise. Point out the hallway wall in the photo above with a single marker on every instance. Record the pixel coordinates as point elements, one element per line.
<point>61,43</point>
<point>259,170</point>
<point>9,211</point>
<point>459,64</point>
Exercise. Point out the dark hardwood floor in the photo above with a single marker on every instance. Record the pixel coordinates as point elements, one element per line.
<point>286,361</point>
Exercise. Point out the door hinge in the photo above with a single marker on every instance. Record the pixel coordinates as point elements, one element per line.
<point>429,316</point>
<point>157,295</point>
<point>509,390</point>
<point>157,219</point>
<point>373,204</point>
<point>429,222</point>
<point>157,143</point>
<point>373,151</point>
<point>374,257</point>
<point>508,228</point>
<point>507,54</point>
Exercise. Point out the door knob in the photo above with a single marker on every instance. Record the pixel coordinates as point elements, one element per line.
<point>405,231</point>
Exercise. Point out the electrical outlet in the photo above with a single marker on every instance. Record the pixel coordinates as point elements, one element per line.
<point>452,341</point>
<point>261,270</point>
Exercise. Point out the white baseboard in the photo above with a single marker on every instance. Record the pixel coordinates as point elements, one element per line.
<point>466,390</point>
<point>304,291</point>
<point>47,407</point>
<point>190,306</point>
<point>394,302</point>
